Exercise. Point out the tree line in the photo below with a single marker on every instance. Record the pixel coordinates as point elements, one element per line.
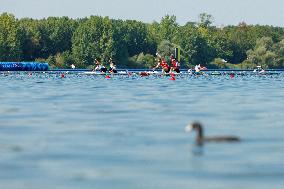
<point>62,41</point>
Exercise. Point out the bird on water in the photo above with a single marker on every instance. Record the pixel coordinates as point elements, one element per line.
<point>200,138</point>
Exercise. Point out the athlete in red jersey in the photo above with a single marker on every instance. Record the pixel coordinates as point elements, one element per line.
<point>162,63</point>
<point>175,64</point>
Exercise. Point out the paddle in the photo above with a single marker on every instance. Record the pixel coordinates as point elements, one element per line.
<point>158,56</point>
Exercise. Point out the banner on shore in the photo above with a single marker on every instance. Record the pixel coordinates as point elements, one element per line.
<point>23,66</point>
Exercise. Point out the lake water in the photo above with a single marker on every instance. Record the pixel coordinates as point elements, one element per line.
<point>128,132</point>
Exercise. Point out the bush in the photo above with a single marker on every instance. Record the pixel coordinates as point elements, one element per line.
<point>141,61</point>
<point>146,61</point>
<point>61,60</point>
<point>222,64</point>
<point>246,65</point>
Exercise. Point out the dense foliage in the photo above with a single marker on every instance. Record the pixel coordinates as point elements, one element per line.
<point>62,41</point>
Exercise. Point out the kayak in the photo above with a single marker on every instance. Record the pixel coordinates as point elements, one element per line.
<point>103,73</point>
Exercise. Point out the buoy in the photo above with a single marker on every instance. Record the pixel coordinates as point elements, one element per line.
<point>232,75</point>
<point>62,76</point>
<point>172,78</point>
<point>108,77</point>
<point>142,74</point>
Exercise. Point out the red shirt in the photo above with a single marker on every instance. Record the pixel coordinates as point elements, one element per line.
<point>164,64</point>
<point>174,62</point>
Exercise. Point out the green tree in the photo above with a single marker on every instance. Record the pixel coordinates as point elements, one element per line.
<point>205,20</point>
<point>166,30</point>
<point>196,45</point>
<point>131,38</point>
<point>31,41</point>
<point>56,35</point>
<point>61,60</point>
<point>146,60</point>
<point>62,41</point>
<point>46,37</point>
<point>279,50</point>
<point>241,39</point>
<point>93,39</point>
<point>221,44</point>
<point>263,54</point>
<point>10,38</point>
<point>136,38</point>
<point>166,48</point>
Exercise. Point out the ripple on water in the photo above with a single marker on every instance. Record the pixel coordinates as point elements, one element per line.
<point>128,132</point>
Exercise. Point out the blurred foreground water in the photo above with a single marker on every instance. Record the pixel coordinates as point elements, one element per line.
<point>128,132</point>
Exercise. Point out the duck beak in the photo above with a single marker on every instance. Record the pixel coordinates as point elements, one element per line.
<point>188,128</point>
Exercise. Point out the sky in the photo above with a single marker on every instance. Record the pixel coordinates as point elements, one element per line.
<point>224,12</point>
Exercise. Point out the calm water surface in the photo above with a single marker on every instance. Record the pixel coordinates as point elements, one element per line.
<point>128,132</point>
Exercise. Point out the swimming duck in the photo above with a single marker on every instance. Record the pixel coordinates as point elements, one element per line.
<point>200,138</point>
